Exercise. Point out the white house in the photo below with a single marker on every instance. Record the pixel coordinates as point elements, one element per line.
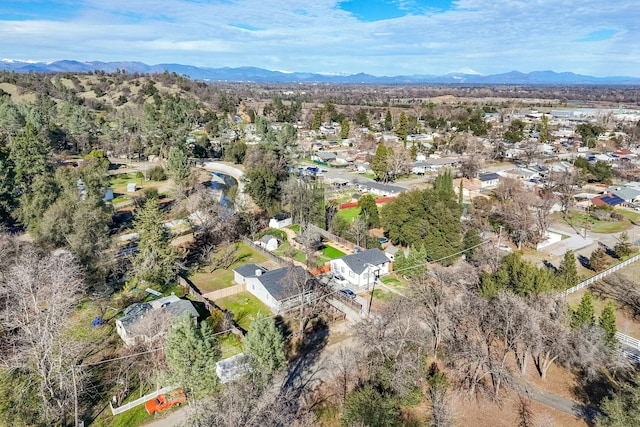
<point>273,287</point>
<point>488,180</point>
<point>391,251</point>
<point>280,221</point>
<point>383,190</point>
<point>268,242</point>
<point>361,269</point>
<point>147,321</point>
<point>132,187</point>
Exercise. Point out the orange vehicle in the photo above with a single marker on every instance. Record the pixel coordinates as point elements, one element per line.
<point>165,401</point>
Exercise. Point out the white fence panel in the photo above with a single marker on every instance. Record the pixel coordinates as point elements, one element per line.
<point>600,275</point>
<point>140,401</point>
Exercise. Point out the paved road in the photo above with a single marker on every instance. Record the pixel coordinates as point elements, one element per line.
<point>174,419</point>
<point>554,401</point>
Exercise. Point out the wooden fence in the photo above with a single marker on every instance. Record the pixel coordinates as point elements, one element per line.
<point>331,236</point>
<point>600,275</point>
<point>197,295</point>
<point>283,262</point>
<point>226,292</point>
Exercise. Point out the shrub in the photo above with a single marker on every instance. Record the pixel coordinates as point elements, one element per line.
<point>157,174</point>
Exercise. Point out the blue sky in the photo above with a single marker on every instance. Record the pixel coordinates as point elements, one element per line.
<point>381,37</point>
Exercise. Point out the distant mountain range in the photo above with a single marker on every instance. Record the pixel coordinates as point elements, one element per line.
<point>259,75</point>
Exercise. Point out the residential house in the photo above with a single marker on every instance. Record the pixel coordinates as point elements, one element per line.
<point>360,269</point>
<point>520,173</point>
<point>488,180</point>
<point>383,190</point>
<point>147,321</point>
<point>470,188</point>
<point>274,287</point>
<point>281,220</point>
<point>391,251</point>
<point>607,199</point>
<point>323,156</point>
<point>433,164</point>
<point>268,242</point>
<point>630,195</point>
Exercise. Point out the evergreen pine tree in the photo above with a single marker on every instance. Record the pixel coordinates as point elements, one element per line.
<point>584,314</point>
<point>178,167</point>
<point>156,259</point>
<point>402,128</point>
<point>388,121</point>
<point>380,164</point>
<point>191,352</point>
<point>264,346</point>
<point>345,127</point>
<point>317,120</point>
<point>607,322</point>
<point>567,275</point>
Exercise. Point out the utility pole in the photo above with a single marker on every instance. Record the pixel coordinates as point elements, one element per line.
<point>75,396</point>
<point>376,274</point>
<point>499,243</point>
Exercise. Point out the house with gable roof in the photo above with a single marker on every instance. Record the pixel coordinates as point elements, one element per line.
<point>361,268</point>
<point>274,287</point>
<point>147,321</point>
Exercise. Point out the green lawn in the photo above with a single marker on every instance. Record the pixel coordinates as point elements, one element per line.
<point>124,179</point>
<point>332,253</point>
<point>382,295</point>
<point>245,308</point>
<point>120,199</point>
<point>577,220</point>
<point>632,216</point>
<point>349,214</point>
<point>220,279</point>
<point>295,228</point>
<point>230,345</point>
<point>286,250</point>
<point>133,417</point>
<point>394,282</point>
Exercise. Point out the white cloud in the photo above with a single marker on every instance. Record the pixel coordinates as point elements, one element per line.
<point>309,36</point>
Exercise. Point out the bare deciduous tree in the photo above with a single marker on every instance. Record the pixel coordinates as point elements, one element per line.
<point>38,293</point>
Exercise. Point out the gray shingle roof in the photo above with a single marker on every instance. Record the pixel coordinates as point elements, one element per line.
<point>627,193</point>
<point>248,270</point>
<point>358,262</point>
<point>275,281</point>
<point>265,239</point>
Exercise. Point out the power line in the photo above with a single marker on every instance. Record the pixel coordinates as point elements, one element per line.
<point>426,264</point>
<point>140,353</point>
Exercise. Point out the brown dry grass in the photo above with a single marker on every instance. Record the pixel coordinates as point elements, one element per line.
<point>480,412</point>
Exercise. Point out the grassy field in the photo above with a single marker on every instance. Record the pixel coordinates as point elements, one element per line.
<point>245,308</point>
<point>286,250</point>
<point>332,253</point>
<point>395,282</point>
<point>133,417</point>
<point>220,279</point>
<point>295,228</point>
<point>578,218</point>
<point>230,345</point>
<point>349,214</point>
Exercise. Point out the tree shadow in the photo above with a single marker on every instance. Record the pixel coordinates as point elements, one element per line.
<point>591,391</point>
<point>584,261</point>
<point>550,266</point>
<point>305,369</point>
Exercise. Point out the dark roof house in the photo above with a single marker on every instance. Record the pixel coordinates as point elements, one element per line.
<point>358,262</point>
